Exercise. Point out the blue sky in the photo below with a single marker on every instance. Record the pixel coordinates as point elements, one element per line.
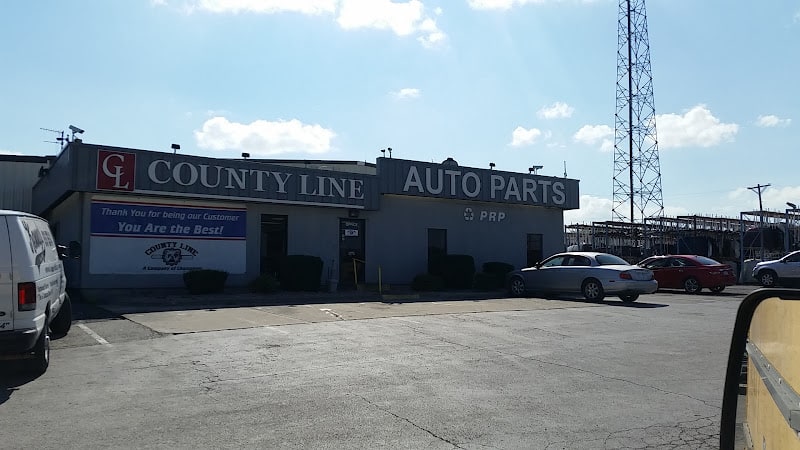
<point>514,82</point>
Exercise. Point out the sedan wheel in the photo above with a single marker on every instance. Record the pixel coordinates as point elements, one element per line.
<point>629,298</point>
<point>592,290</point>
<point>767,278</point>
<point>717,289</point>
<point>516,287</point>
<point>691,286</point>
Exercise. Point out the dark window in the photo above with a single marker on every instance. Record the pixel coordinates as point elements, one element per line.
<point>678,262</point>
<point>274,243</point>
<point>554,261</point>
<point>577,260</point>
<point>437,248</point>
<point>707,261</point>
<point>610,260</point>
<point>534,249</point>
<point>656,263</point>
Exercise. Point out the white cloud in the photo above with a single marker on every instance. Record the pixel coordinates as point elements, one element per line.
<point>499,4</point>
<point>796,17</point>
<point>773,198</point>
<point>592,209</point>
<point>521,136</point>
<point>772,121</point>
<point>697,127</point>
<point>406,93</point>
<point>594,134</point>
<point>268,6</point>
<point>403,19</point>
<point>557,110</point>
<point>264,138</point>
<point>508,4</point>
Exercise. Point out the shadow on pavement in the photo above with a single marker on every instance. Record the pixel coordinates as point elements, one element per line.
<point>113,307</point>
<point>13,374</point>
<point>635,304</point>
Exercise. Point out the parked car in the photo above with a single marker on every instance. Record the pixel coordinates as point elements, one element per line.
<point>591,274</point>
<point>691,273</point>
<point>784,270</point>
<point>33,300</point>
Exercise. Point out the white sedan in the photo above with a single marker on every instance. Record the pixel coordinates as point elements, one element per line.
<point>591,274</point>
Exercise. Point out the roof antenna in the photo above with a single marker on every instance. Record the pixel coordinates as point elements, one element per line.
<point>565,169</point>
<point>60,139</point>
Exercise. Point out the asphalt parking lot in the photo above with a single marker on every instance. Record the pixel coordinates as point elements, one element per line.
<point>480,373</point>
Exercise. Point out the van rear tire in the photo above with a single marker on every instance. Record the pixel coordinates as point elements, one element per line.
<point>41,353</point>
<point>62,322</point>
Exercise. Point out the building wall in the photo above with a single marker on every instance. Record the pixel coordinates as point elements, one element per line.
<point>18,175</point>
<point>487,214</point>
<point>398,234</point>
<point>311,231</point>
<point>67,225</point>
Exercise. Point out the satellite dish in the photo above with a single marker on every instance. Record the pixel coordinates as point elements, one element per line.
<point>450,162</point>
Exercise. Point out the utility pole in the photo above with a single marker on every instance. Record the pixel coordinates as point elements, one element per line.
<point>757,189</point>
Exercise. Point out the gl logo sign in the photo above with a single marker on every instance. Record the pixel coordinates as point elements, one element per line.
<point>115,170</point>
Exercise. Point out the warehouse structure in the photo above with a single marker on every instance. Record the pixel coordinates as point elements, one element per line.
<point>142,218</point>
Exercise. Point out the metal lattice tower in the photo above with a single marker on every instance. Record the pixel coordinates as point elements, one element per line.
<point>637,173</point>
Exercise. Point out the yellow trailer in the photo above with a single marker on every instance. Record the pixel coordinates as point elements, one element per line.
<point>768,328</point>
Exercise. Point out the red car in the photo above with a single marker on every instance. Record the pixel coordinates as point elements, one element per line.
<point>690,272</point>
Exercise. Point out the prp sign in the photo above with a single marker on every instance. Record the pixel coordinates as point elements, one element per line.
<point>115,170</point>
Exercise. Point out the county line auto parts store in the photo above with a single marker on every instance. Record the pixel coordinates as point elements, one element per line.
<point>142,218</point>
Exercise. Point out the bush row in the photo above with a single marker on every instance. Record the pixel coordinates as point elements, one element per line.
<point>297,273</point>
<point>458,272</point>
<point>304,273</point>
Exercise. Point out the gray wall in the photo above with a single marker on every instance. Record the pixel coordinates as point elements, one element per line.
<point>18,175</point>
<point>311,231</point>
<point>397,238</point>
<point>66,220</point>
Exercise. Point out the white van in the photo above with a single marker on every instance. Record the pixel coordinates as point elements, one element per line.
<point>33,301</point>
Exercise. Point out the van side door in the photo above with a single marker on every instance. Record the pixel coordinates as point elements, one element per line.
<point>6,282</point>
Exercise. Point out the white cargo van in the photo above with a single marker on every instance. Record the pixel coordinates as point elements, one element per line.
<point>33,301</point>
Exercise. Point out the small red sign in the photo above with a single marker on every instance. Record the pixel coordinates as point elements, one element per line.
<point>115,170</point>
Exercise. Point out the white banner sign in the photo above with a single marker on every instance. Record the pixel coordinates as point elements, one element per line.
<point>161,238</point>
<point>118,255</point>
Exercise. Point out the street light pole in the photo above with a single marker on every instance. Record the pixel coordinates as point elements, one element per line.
<point>757,189</point>
<point>792,209</point>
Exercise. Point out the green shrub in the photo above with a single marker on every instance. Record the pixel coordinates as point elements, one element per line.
<point>498,270</point>
<point>205,281</point>
<point>436,262</point>
<point>265,284</point>
<point>485,281</point>
<point>459,271</point>
<point>427,282</point>
<point>301,273</point>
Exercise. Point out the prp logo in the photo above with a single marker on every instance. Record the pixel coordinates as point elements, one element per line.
<point>115,170</point>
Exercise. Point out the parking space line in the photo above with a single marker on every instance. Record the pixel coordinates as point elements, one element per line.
<point>407,320</point>
<point>276,329</point>
<point>94,335</point>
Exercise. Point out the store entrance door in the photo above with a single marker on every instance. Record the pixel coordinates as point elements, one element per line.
<point>351,253</point>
